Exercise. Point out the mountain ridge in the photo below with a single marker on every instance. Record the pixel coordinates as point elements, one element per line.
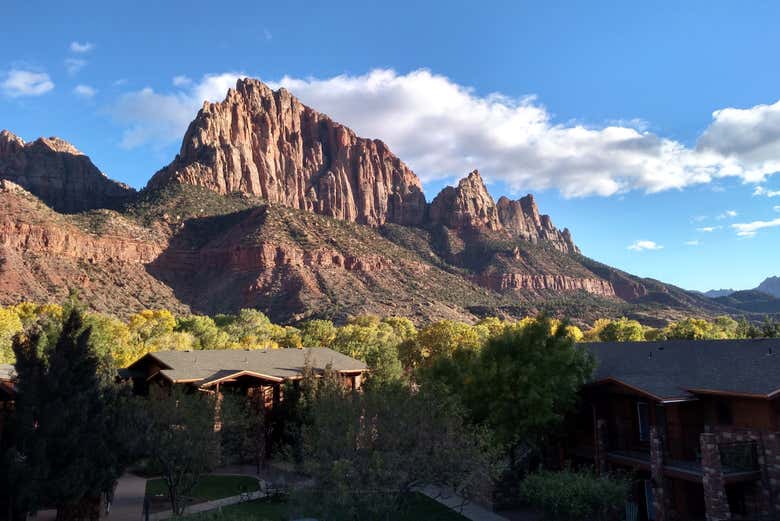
<point>270,204</point>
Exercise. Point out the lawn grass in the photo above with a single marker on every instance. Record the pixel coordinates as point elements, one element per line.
<point>420,507</point>
<point>209,487</point>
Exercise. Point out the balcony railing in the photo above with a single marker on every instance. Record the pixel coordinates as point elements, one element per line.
<point>739,456</point>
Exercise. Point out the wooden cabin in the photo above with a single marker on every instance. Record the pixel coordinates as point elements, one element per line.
<point>696,422</point>
<point>247,372</point>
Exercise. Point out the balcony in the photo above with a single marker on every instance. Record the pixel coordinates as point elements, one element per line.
<point>739,462</point>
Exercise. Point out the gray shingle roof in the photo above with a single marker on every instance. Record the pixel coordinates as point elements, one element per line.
<point>672,369</point>
<point>204,367</point>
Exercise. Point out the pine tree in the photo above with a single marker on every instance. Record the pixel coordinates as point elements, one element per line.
<point>64,426</point>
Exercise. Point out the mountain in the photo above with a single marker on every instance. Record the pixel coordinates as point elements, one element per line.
<point>752,301</point>
<point>770,285</point>
<point>270,204</point>
<point>268,144</point>
<point>715,293</point>
<point>59,174</point>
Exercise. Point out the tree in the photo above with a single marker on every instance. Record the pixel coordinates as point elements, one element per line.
<point>691,329</point>
<point>374,342</point>
<point>317,333</point>
<point>153,331</point>
<point>205,331</point>
<point>520,384</point>
<point>178,432</point>
<point>622,330</point>
<point>367,451</point>
<point>445,337</point>
<point>10,325</point>
<point>64,421</point>
<point>112,341</point>
<point>576,496</point>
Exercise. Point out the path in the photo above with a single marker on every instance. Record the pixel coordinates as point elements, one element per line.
<point>128,501</point>
<point>469,510</point>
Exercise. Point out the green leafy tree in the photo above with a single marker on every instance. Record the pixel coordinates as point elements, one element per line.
<point>520,384</point>
<point>10,325</point>
<point>374,342</point>
<point>205,331</point>
<point>368,451</point>
<point>445,337</point>
<point>178,431</point>
<point>317,333</point>
<point>622,330</point>
<point>64,422</point>
<point>576,496</point>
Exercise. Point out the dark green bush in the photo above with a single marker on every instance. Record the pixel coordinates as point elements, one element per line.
<point>576,495</point>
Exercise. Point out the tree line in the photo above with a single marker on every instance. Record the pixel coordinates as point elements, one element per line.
<point>391,346</point>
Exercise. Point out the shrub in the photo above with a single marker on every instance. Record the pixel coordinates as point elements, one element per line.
<point>576,495</point>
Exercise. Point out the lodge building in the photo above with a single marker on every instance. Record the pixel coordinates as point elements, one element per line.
<point>696,422</point>
<point>261,372</point>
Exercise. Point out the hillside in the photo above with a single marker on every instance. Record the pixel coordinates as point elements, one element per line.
<point>272,205</point>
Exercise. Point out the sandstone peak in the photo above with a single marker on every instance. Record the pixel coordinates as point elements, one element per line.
<point>268,144</point>
<point>58,173</point>
<point>469,205</point>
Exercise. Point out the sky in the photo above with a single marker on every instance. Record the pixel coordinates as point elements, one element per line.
<point>651,130</point>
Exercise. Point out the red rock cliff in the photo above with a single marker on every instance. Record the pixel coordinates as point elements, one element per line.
<point>469,205</point>
<point>59,174</point>
<point>268,144</point>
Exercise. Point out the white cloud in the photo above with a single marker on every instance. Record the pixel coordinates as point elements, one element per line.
<point>81,47</point>
<point>74,65</point>
<point>644,245</point>
<point>161,119</point>
<point>20,82</point>
<point>181,81</point>
<point>760,190</point>
<point>776,208</point>
<point>443,129</point>
<point>750,229</point>
<point>728,214</point>
<point>119,82</point>
<point>708,229</point>
<point>85,91</point>
<point>693,243</point>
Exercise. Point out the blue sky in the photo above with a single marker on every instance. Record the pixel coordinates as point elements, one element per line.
<point>650,130</point>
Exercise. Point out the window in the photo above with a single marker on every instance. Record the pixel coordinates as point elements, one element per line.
<point>643,416</point>
<point>725,416</point>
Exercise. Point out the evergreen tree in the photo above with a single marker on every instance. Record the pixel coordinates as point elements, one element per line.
<point>65,436</point>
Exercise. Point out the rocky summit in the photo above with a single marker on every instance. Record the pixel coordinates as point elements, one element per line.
<point>272,205</point>
<point>59,174</point>
<point>268,144</point>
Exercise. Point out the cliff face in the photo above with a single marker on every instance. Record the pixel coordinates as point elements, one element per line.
<point>59,174</point>
<point>470,206</point>
<point>268,144</point>
<point>274,206</point>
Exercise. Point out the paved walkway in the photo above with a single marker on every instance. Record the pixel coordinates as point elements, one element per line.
<point>469,510</point>
<point>128,501</point>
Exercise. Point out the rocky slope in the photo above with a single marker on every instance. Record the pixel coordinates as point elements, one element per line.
<point>770,285</point>
<point>44,254</point>
<point>470,206</point>
<point>268,144</point>
<point>272,205</point>
<point>59,174</point>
